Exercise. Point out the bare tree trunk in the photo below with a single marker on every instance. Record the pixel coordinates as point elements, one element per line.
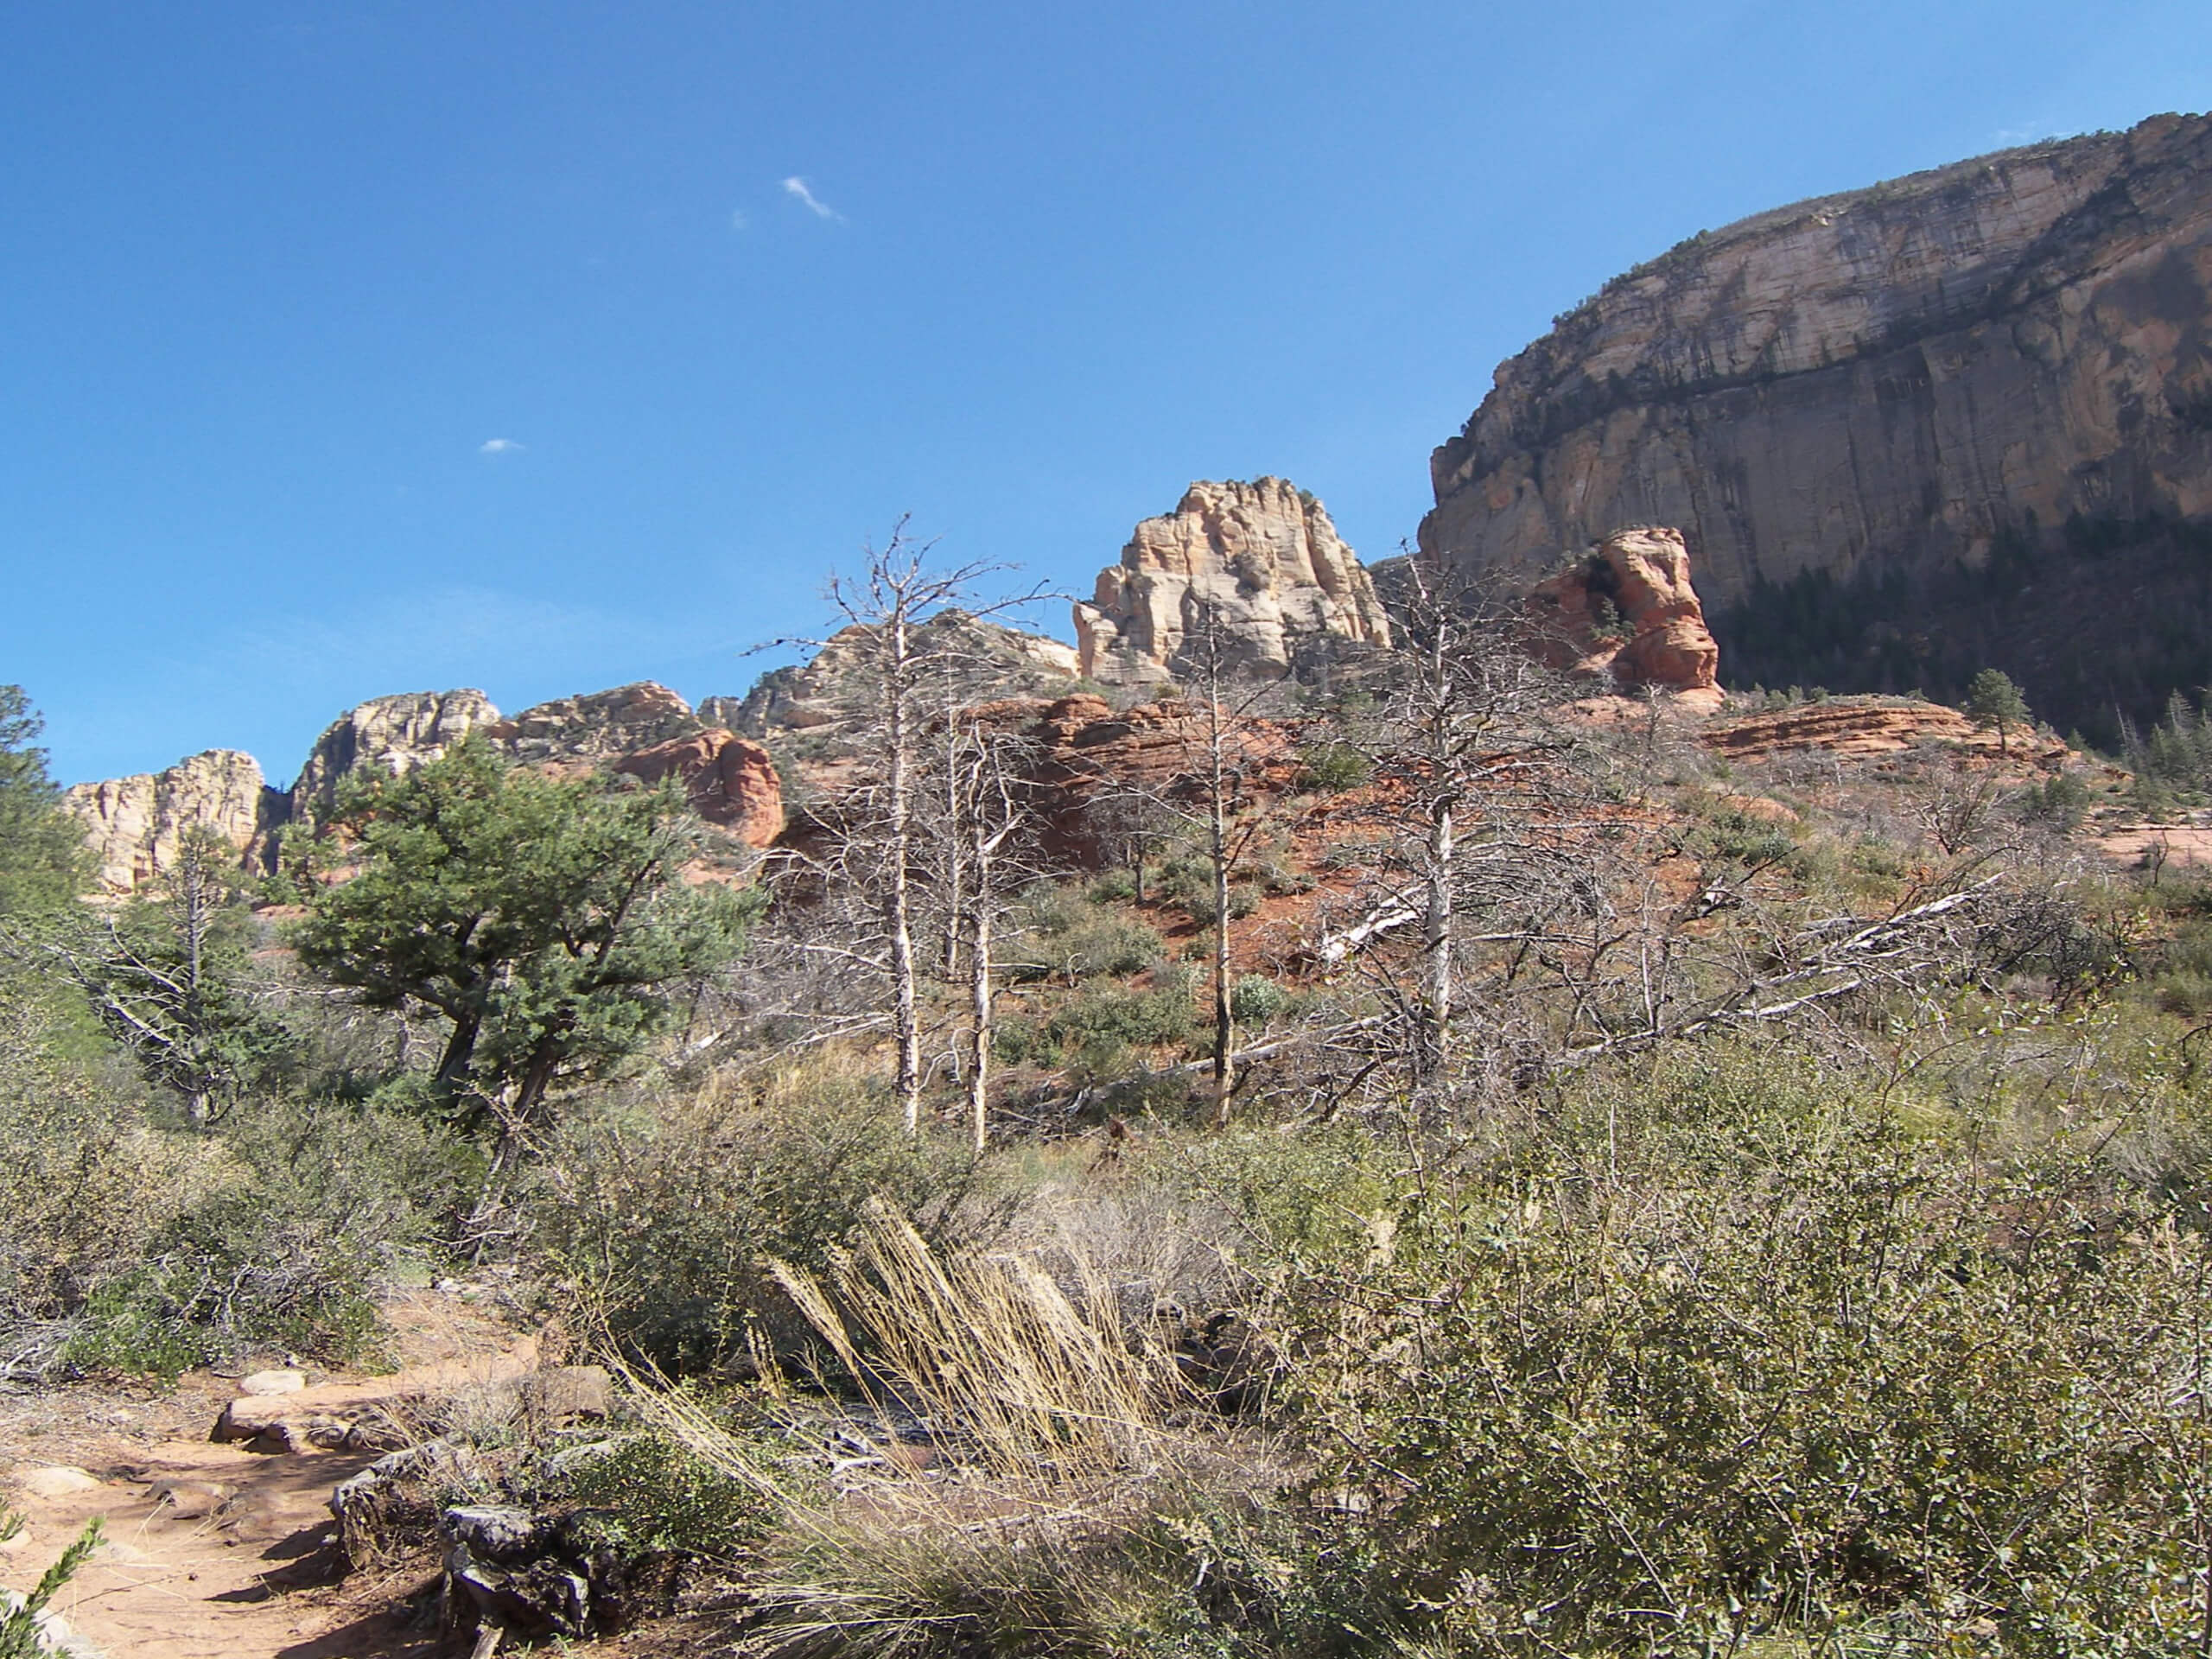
<point>1436,943</point>
<point>1225,1030</point>
<point>898,895</point>
<point>979,1000</point>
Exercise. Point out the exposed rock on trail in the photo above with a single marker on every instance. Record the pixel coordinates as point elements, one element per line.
<point>217,1551</point>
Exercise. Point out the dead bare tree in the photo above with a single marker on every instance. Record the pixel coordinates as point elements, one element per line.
<point>989,819</point>
<point>1218,799</point>
<point>1482,819</point>
<point>908,670</point>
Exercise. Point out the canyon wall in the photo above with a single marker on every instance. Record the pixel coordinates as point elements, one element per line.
<point>1999,368</point>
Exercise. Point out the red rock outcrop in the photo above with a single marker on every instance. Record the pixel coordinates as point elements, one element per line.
<point>730,781</point>
<point>1087,750</point>
<point>1628,611</point>
<point>1856,728</point>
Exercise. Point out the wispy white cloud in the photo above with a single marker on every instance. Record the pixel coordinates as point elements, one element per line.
<point>500,447</point>
<point>798,190</point>
<point>738,221</point>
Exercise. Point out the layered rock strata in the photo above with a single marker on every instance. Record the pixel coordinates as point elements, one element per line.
<point>1929,372</point>
<point>973,657</point>
<point>1282,587</point>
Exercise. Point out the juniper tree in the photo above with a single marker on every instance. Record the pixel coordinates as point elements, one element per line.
<point>1995,702</point>
<point>546,920</point>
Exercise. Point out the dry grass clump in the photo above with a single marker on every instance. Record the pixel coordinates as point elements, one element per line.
<point>1005,1463</point>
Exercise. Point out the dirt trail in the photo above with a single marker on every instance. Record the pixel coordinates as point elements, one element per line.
<point>232,1562</point>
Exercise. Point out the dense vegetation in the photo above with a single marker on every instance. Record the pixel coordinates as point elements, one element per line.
<point>1632,1207</point>
<point>2101,621</point>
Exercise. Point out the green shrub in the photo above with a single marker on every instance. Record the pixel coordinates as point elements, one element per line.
<point>1718,1358</point>
<point>86,1186</point>
<point>660,1497</point>
<point>1243,901</point>
<point>1255,999</point>
<point>1070,937</point>
<point>1333,768</point>
<point>1113,887</point>
<point>2060,802</point>
<point>317,1205</point>
<point>1100,1032</point>
<point>657,1227</point>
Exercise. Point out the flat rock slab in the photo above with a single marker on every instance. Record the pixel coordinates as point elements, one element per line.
<point>56,1480</point>
<point>262,1418</point>
<point>262,1384</point>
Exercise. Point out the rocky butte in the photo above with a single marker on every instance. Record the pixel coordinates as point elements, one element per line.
<point>1286,592</point>
<point>1982,395</point>
<point>135,825</point>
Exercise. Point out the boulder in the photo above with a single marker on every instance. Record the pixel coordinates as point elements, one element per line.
<point>1286,591</point>
<point>731,781</point>
<point>1627,611</point>
<point>269,1383</point>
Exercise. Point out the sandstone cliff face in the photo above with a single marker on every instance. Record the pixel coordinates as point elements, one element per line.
<point>1899,376</point>
<point>1627,612</point>
<point>399,733</point>
<point>136,825</point>
<point>596,727</point>
<point>1264,554</point>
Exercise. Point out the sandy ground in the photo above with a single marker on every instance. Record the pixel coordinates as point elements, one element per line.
<point>185,1576</point>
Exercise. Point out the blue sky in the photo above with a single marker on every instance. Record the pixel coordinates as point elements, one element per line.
<point>351,349</point>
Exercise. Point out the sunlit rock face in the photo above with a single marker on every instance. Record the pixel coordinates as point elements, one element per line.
<point>832,690</point>
<point>1263,558</point>
<point>137,826</point>
<point>1626,612</point>
<point>1898,376</point>
<point>397,733</point>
